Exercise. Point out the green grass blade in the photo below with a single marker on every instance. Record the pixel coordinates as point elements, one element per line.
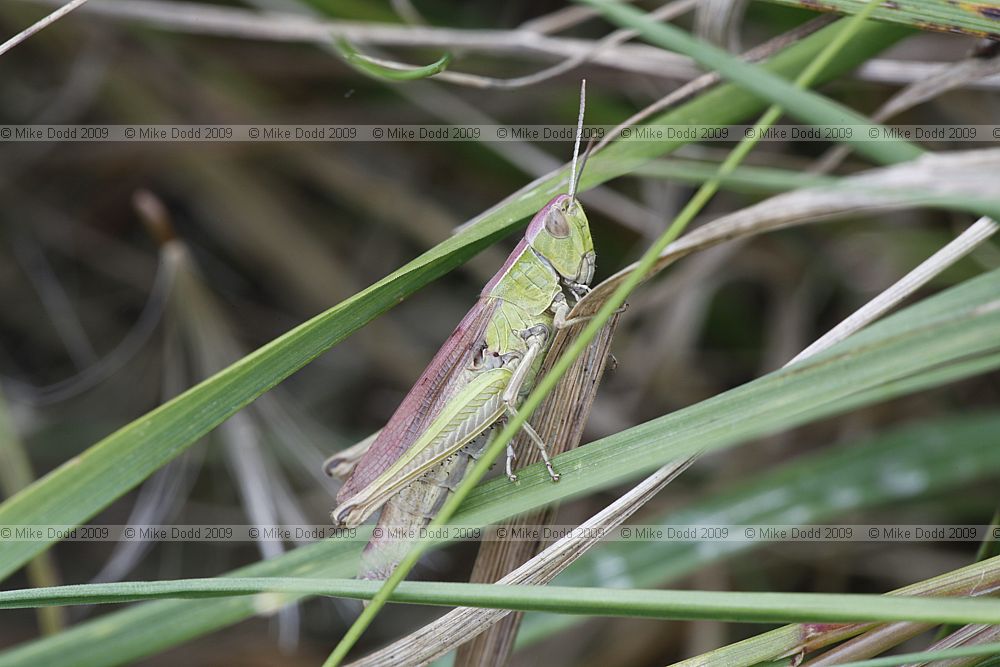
<point>378,70</point>
<point>129,635</point>
<point>630,603</point>
<point>789,640</point>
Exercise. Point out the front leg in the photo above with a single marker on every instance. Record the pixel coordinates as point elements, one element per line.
<point>561,308</point>
<point>536,337</point>
<point>578,290</point>
<point>542,448</point>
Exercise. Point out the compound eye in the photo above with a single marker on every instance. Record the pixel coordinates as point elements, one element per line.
<point>556,223</point>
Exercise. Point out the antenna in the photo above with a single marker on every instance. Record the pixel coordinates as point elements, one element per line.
<point>576,144</point>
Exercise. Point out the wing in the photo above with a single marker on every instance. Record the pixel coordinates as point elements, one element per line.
<point>424,401</point>
<point>465,417</point>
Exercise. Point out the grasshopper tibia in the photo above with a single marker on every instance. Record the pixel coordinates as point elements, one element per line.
<point>537,439</point>
<point>511,455</point>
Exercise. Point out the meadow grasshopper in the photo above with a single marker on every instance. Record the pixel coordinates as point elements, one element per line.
<point>475,381</point>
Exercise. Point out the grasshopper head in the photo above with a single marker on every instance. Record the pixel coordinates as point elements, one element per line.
<point>560,233</point>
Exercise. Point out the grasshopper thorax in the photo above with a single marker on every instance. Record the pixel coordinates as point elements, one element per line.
<point>560,234</point>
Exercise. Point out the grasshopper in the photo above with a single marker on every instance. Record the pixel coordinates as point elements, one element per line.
<point>476,380</point>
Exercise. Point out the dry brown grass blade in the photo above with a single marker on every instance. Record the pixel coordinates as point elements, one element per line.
<point>969,635</point>
<point>39,25</point>
<point>869,644</point>
<point>207,19</point>
<point>882,638</point>
<point>904,72</point>
<point>666,12</point>
<point>560,421</point>
<point>793,642</point>
<point>719,22</point>
<point>527,41</point>
<point>956,174</point>
<point>966,174</point>
<point>958,248</point>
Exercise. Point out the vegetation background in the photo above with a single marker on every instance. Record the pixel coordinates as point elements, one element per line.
<point>132,271</point>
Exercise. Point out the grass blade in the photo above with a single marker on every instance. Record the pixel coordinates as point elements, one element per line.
<point>970,18</point>
<point>629,603</point>
<point>984,650</point>
<point>389,71</point>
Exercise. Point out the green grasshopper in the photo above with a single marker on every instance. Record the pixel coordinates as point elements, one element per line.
<point>476,380</point>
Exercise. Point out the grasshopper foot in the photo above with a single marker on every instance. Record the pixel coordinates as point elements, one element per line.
<point>511,455</point>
